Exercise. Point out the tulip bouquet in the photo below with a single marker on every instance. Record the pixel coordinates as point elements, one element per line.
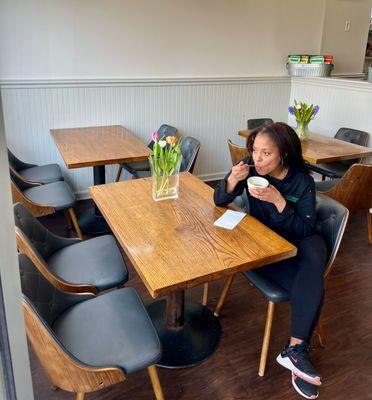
<point>165,165</point>
<point>304,114</point>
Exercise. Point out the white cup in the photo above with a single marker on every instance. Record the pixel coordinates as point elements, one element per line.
<point>256,182</point>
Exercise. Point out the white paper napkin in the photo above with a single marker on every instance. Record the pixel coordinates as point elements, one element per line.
<point>230,219</point>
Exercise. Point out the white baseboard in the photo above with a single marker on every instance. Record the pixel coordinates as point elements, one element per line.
<point>212,177</point>
<point>82,195</point>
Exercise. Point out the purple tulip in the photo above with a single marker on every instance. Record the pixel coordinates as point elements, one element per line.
<point>316,109</point>
<point>291,110</point>
<point>154,136</point>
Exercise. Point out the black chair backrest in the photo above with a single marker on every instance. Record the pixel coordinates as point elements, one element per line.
<point>164,131</point>
<point>257,122</point>
<point>189,150</point>
<point>16,163</point>
<point>47,301</point>
<point>352,136</point>
<point>44,242</point>
<point>332,218</point>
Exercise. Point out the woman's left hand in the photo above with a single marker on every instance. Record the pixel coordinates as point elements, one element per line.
<point>270,194</point>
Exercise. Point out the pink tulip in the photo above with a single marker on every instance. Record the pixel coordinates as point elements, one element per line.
<point>154,136</point>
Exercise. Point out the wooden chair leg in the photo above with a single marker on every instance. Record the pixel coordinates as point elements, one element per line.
<point>205,294</point>
<point>75,222</point>
<point>67,219</point>
<point>155,382</point>
<point>118,174</point>
<point>80,396</point>
<point>222,298</point>
<point>266,339</point>
<point>369,225</point>
<point>320,332</point>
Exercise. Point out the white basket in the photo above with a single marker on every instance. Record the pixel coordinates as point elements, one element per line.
<point>300,69</point>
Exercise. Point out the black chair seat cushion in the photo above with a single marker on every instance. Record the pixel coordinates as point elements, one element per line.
<point>324,186</point>
<point>332,170</point>
<point>137,166</point>
<point>95,261</point>
<point>131,342</point>
<point>56,194</point>
<point>43,173</point>
<point>271,290</point>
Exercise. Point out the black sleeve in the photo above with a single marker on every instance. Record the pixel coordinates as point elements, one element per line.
<point>298,218</point>
<point>221,197</point>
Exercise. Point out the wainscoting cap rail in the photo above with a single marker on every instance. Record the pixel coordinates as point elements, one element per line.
<point>102,82</point>
<point>336,82</point>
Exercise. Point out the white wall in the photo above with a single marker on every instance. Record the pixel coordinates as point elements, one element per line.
<point>348,48</point>
<point>142,38</point>
<point>342,103</point>
<point>147,38</point>
<point>210,110</point>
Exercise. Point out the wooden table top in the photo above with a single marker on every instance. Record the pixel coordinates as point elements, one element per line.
<point>323,149</point>
<point>98,145</point>
<point>173,244</point>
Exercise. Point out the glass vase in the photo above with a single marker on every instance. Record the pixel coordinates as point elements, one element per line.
<point>302,130</point>
<point>165,185</point>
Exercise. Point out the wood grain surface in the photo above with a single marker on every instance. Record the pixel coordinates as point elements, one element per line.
<point>173,244</point>
<point>237,153</point>
<point>98,145</point>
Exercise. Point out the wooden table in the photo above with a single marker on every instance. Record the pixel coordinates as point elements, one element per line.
<point>173,246</point>
<point>96,147</point>
<point>319,149</point>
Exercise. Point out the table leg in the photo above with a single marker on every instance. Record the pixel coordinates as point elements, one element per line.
<point>188,331</point>
<point>176,310</point>
<point>91,221</point>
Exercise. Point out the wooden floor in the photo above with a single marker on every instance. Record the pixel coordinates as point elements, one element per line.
<point>231,372</point>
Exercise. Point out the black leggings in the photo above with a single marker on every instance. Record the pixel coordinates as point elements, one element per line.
<point>302,276</point>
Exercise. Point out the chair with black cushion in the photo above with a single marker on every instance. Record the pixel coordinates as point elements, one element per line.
<point>85,342</point>
<point>337,169</point>
<point>189,149</point>
<point>257,122</point>
<point>353,190</point>
<point>35,173</point>
<point>45,199</point>
<point>331,222</point>
<point>72,265</point>
<point>237,153</point>
<point>134,167</point>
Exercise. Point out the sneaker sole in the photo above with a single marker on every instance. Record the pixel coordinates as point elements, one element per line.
<point>301,393</point>
<point>284,362</point>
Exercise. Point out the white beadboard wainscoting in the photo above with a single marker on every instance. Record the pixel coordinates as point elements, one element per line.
<point>343,103</point>
<point>212,110</point>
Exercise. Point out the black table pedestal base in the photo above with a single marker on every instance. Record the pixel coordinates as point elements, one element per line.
<point>191,344</point>
<point>93,223</point>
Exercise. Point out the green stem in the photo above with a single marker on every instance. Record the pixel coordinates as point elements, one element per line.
<point>163,183</point>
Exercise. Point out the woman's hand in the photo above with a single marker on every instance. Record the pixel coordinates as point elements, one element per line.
<point>239,172</point>
<point>270,194</point>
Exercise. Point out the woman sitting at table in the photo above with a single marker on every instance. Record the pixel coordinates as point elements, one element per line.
<point>287,206</point>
